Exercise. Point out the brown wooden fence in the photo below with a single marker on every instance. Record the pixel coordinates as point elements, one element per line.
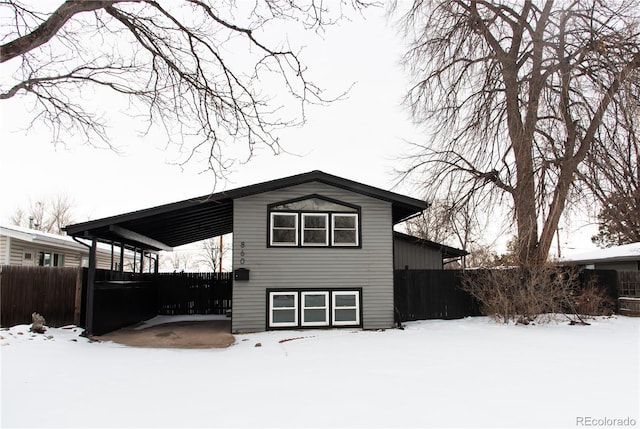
<point>52,292</point>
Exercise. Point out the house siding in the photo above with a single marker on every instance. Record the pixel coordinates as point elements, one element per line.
<point>12,253</point>
<point>415,256</point>
<point>369,267</point>
<point>5,249</point>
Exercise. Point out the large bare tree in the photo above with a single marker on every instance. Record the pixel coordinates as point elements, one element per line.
<point>208,72</point>
<point>516,95</point>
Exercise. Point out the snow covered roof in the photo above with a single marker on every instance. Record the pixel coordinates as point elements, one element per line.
<point>625,252</point>
<point>45,238</point>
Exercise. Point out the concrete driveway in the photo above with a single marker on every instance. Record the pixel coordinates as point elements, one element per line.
<point>182,335</point>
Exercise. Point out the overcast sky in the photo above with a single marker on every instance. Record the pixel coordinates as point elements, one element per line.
<point>360,138</point>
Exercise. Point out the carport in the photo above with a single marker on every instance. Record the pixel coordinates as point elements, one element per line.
<point>145,233</point>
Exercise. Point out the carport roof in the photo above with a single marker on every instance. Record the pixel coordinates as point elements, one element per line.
<point>195,219</point>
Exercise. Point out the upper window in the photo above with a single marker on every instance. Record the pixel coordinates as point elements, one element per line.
<point>315,231</point>
<point>284,229</point>
<point>314,221</point>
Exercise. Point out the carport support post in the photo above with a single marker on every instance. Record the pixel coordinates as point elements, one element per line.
<point>91,282</point>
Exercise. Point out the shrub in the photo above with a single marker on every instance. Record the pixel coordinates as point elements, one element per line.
<point>525,294</point>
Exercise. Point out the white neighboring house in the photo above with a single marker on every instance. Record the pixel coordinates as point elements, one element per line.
<point>30,247</point>
<point>621,258</point>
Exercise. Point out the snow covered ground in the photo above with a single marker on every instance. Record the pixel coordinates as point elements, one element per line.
<point>461,373</point>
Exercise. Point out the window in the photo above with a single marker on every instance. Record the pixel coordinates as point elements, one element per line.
<point>314,221</point>
<point>314,229</point>
<point>346,308</point>
<point>284,229</point>
<point>284,309</point>
<point>345,230</point>
<point>317,308</point>
<point>49,259</point>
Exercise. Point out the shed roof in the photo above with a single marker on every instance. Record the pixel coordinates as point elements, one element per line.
<point>447,251</point>
<point>195,219</point>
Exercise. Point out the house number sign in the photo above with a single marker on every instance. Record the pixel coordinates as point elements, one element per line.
<point>242,253</point>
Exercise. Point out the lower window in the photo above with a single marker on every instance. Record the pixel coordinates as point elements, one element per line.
<point>314,308</point>
<point>346,308</point>
<point>284,309</point>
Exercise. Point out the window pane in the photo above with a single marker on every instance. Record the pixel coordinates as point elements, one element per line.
<point>284,316</point>
<point>284,221</point>
<point>315,301</point>
<point>284,235</point>
<point>58,259</point>
<point>315,221</point>
<point>315,236</point>
<point>280,301</point>
<point>344,236</point>
<point>345,300</point>
<point>315,315</point>
<point>342,315</point>
<point>344,221</point>
<point>44,259</point>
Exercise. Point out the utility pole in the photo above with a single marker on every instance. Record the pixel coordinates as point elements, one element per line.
<point>220,253</point>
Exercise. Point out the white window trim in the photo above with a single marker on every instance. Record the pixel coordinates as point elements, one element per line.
<point>333,229</point>
<point>355,307</point>
<point>272,228</point>
<point>326,229</point>
<point>325,308</point>
<point>295,308</point>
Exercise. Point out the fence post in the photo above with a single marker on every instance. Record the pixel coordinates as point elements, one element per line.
<point>77,306</point>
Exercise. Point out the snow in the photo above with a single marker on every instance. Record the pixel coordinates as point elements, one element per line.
<point>623,252</point>
<point>461,373</point>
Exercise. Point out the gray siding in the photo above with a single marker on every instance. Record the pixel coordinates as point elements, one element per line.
<point>415,256</point>
<point>369,267</point>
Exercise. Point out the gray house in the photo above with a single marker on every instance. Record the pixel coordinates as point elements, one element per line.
<point>311,250</point>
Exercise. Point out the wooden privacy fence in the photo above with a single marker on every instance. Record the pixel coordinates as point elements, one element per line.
<point>193,293</point>
<point>438,294</point>
<point>52,292</point>
<point>431,294</point>
<point>122,299</point>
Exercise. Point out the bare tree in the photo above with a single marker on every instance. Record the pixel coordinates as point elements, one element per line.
<point>454,223</point>
<point>207,72</point>
<point>212,253</point>
<point>516,96</point>
<point>178,260</point>
<point>47,215</point>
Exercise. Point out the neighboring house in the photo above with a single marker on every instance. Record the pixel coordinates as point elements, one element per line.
<point>621,258</point>
<point>311,250</point>
<point>30,247</point>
